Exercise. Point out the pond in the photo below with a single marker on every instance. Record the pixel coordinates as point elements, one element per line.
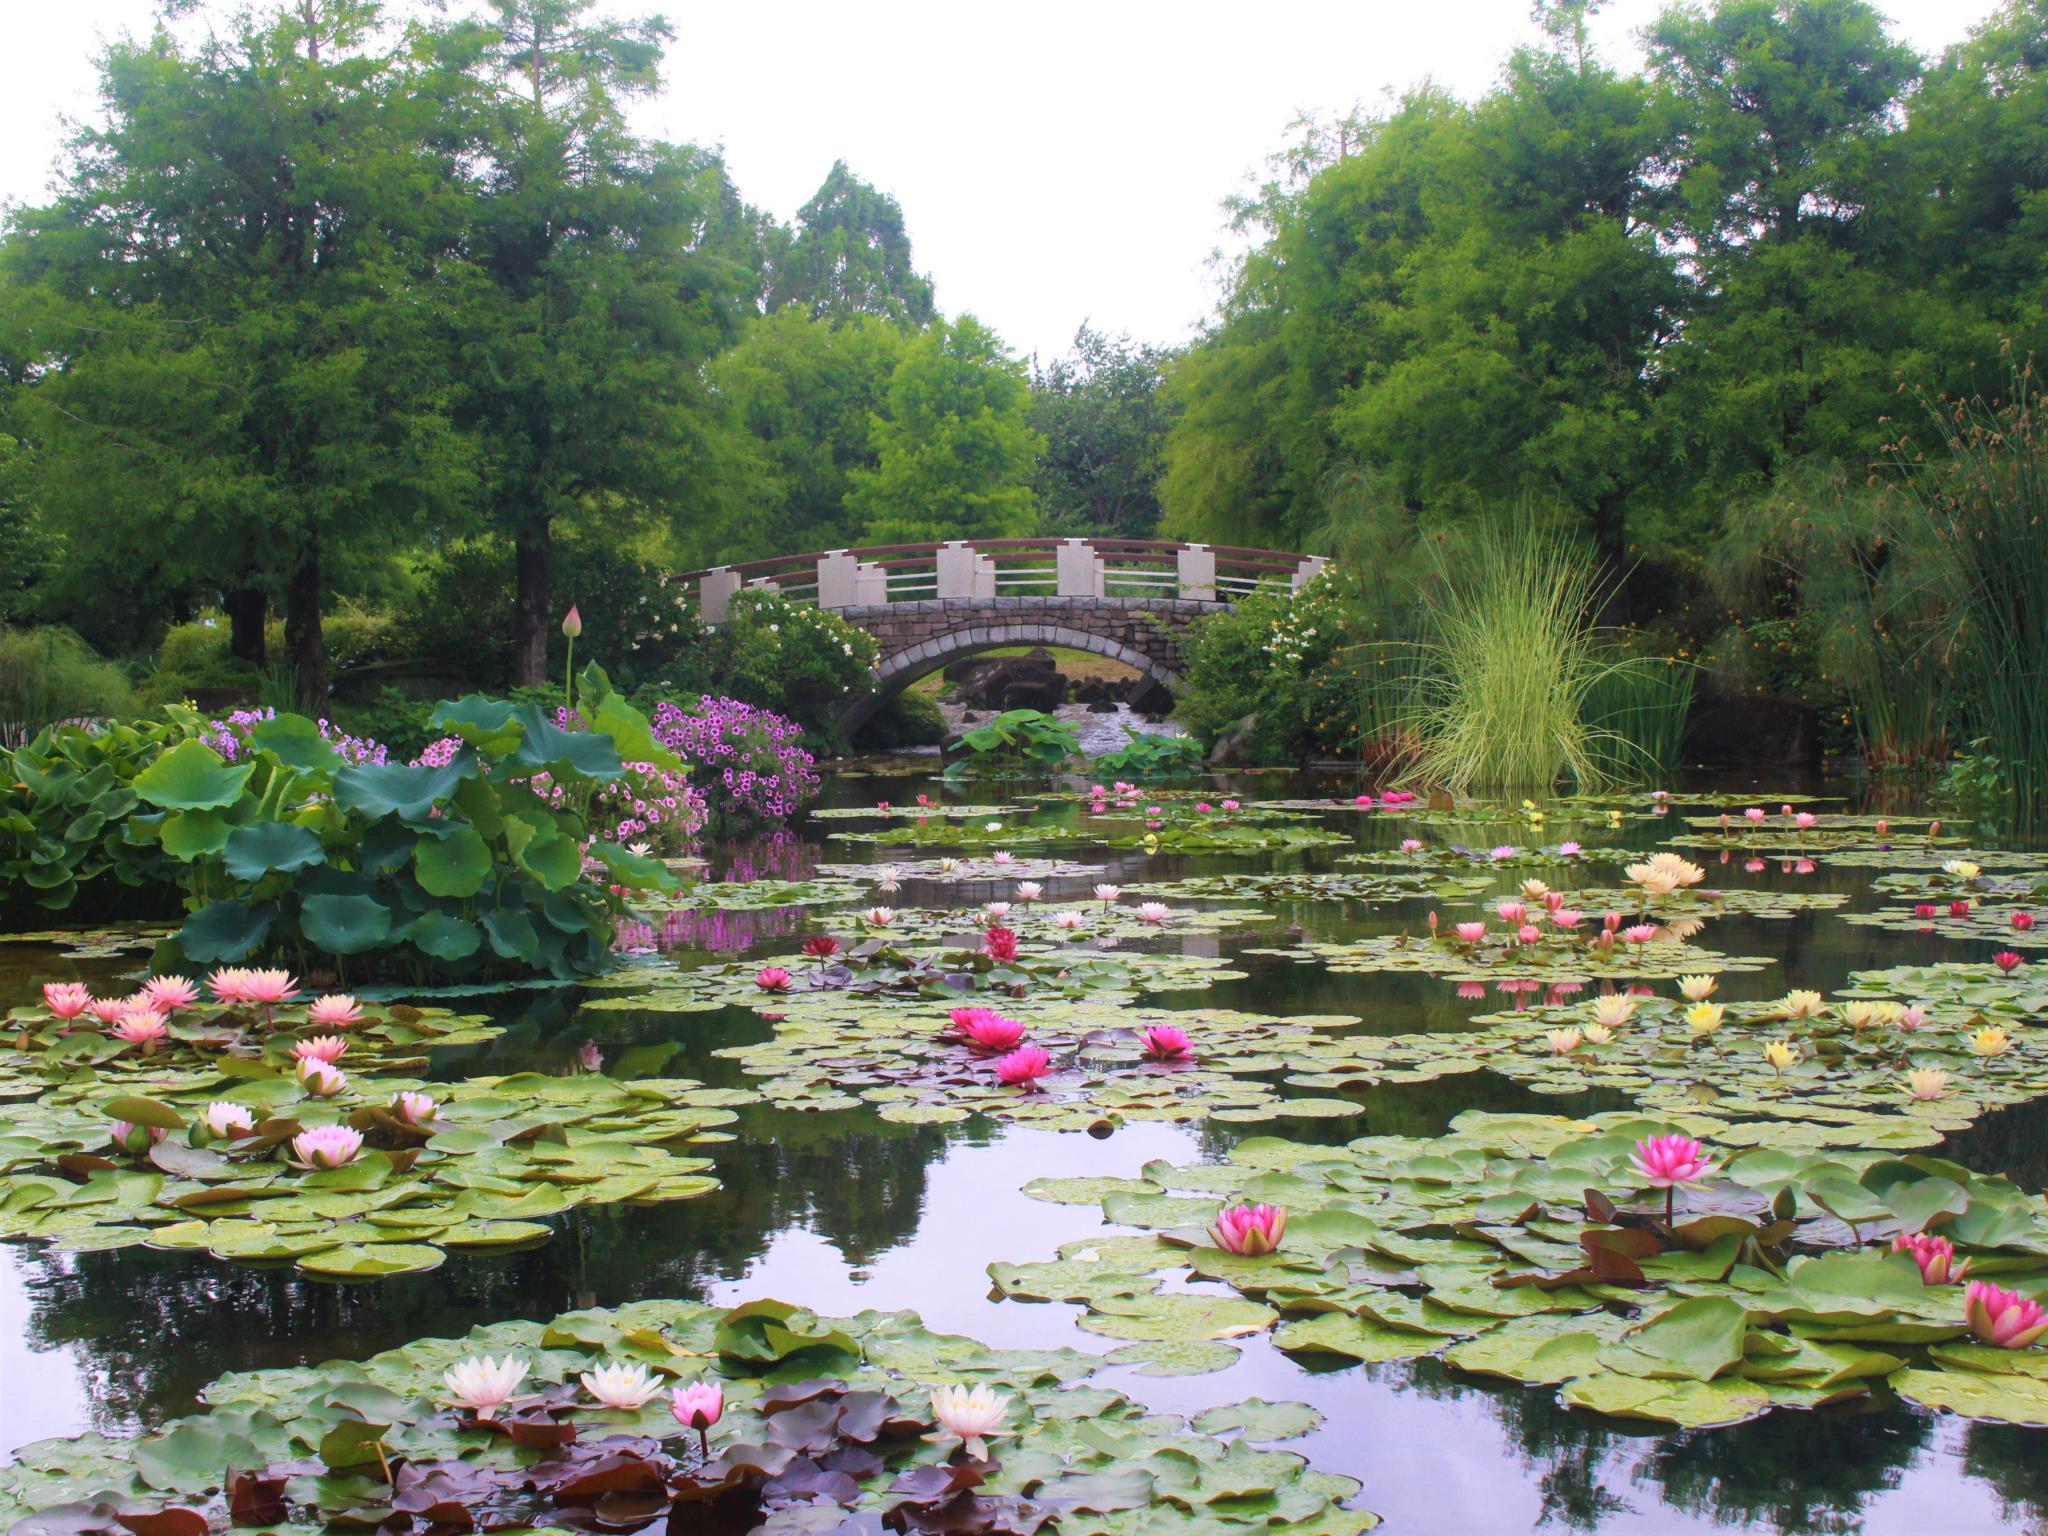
<point>846,1209</point>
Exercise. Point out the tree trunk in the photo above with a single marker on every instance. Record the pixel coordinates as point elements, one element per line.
<point>248,610</point>
<point>533,568</point>
<point>303,640</point>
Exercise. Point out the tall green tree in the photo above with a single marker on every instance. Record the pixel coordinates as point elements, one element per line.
<point>604,271</point>
<point>1099,409</point>
<point>848,255</point>
<point>953,443</point>
<point>223,330</point>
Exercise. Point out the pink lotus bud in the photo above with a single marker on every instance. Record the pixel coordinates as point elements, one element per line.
<point>572,622</point>
<point>699,1405</point>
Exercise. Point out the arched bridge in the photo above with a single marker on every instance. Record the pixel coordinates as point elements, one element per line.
<point>927,604</point>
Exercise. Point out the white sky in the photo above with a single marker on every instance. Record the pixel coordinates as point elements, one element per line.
<point>1057,162</point>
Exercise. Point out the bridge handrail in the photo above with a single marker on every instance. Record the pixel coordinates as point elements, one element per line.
<point>1235,556</point>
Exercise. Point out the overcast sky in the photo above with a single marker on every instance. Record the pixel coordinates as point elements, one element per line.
<point>1057,163</point>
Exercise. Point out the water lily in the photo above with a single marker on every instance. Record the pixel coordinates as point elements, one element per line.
<point>1569,850</point>
<point>879,917</point>
<point>319,1048</point>
<point>1000,945</point>
<point>1565,1041</point>
<point>1960,869</point>
<point>1023,1066</point>
<point>995,912</point>
<point>325,1146</point>
<point>1912,1016</point>
<point>1566,918</point>
<point>1669,1163</point>
<point>1528,933</point>
<point>1781,1054</point>
<point>1511,911</point>
<point>821,947</point>
<point>1534,890</point>
<point>269,988</point>
<point>483,1385</point>
<point>1696,989</point>
<point>1470,933</point>
<point>1639,933</point>
<point>1753,814</point>
<point>1167,1042</point>
<point>1800,1004</point>
<point>142,1026</point>
<point>336,1011</point>
<point>1859,1013</point>
<point>1152,912</point>
<point>1069,920</point>
<point>618,1385</point>
<point>228,1120</point>
<point>992,826</point>
<point>887,881</point>
<point>168,994</point>
<point>1411,845</point>
<point>1990,1041</point>
<point>1927,1083</point>
<point>2006,1319</point>
<point>2007,961</point>
<point>2022,922</point>
<point>1703,1018</point>
<point>67,999</point>
<point>1108,893</point>
<point>1230,805</point>
<point>973,1416</point>
<point>1614,1009</point>
<point>1936,1257</point>
<point>1805,820</point>
<point>773,978</point>
<point>322,1079</point>
<point>1029,890</point>
<point>1250,1230</point>
<point>1959,909</point>
<point>415,1108</point>
<point>989,1031</point>
<point>135,1138</point>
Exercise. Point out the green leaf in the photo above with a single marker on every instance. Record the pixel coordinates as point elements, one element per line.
<point>192,777</point>
<point>344,925</point>
<point>393,789</point>
<point>1698,1339</point>
<point>140,1111</point>
<point>296,742</point>
<point>271,846</point>
<point>1260,1420</point>
<point>553,859</point>
<point>446,936</point>
<point>455,864</point>
<point>226,931</point>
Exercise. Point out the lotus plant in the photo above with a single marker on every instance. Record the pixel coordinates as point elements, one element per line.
<point>2002,1318</point>
<point>1669,1162</point>
<point>1167,1042</point>
<point>622,1386</point>
<point>482,1384</point>
<point>971,1415</point>
<point>325,1146</point>
<point>698,1406</point>
<point>1250,1230</point>
<point>1936,1257</point>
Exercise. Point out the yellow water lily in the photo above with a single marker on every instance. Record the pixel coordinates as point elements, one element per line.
<point>1859,1014</point>
<point>1800,1004</point>
<point>1597,1034</point>
<point>1780,1054</point>
<point>1565,1041</point>
<point>1704,1018</point>
<point>1961,869</point>
<point>1990,1041</point>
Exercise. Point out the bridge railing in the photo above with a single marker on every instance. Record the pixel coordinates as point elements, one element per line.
<point>985,568</point>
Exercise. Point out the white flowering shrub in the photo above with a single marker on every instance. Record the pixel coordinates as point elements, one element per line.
<point>791,657</point>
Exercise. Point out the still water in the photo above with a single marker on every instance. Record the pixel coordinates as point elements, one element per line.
<point>842,1212</point>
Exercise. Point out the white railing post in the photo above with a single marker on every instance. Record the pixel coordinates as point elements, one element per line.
<point>958,565</point>
<point>1311,567</point>
<point>1198,572</point>
<point>871,584</point>
<point>838,580</point>
<point>715,589</point>
<point>1077,569</point>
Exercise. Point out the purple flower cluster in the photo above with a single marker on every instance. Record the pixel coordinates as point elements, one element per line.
<point>752,764</point>
<point>228,737</point>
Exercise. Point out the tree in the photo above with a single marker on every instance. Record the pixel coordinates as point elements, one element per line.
<point>1103,421</point>
<point>954,447</point>
<point>226,327</point>
<point>603,276</point>
<point>847,255</point>
<point>804,393</point>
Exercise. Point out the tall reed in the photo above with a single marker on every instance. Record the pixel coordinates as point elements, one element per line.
<point>1636,709</point>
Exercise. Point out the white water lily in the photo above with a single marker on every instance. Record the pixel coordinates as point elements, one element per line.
<point>1029,890</point>
<point>1697,989</point>
<point>621,1386</point>
<point>971,1416</point>
<point>483,1385</point>
<point>1804,1005</point>
<point>1068,920</point>
<point>1613,1010</point>
<point>1961,869</point>
<point>879,917</point>
<point>227,1119</point>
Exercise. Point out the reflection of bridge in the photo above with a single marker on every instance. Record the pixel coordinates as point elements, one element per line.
<point>926,604</point>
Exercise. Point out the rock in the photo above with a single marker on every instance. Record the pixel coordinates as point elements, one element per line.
<point>1102,707</point>
<point>1031,681</point>
<point>1232,747</point>
<point>1096,690</point>
<point>1148,696</point>
<point>1743,729</point>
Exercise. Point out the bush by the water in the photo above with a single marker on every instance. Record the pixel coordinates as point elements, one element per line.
<point>48,675</point>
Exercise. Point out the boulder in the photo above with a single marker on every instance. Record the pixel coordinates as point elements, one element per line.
<point>1096,690</point>
<point>1030,681</point>
<point>1232,747</point>
<point>1103,707</point>
<point>1148,696</point>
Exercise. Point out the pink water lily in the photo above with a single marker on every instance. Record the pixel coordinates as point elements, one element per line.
<point>1470,933</point>
<point>1023,1066</point>
<point>171,994</point>
<point>773,978</point>
<point>1250,1230</point>
<point>1936,1257</point>
<point>990,1031</point>
<point>328,1048</point>
<point>1167,1042</point>
<point>325,1146</point>
<point>1667,1162</point>
<point>2006,1319</point>
<point>415,1108</point>
<point>142,1026</point>
<point>698,1406</point>
<point>336,1011</point>
<point>67,999</point>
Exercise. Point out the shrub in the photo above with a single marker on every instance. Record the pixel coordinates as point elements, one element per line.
<point>802,660</point>
<point>50,675</point>
<point>911,719</point>
<point>1277,657</point>
<point>749,762</point>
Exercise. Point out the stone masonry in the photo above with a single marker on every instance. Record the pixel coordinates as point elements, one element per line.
<point>918,638</point>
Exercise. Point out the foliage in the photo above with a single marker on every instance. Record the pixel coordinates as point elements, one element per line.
<point>847,257</point>
<point>1017,738</point>
<point>1511,666</point>
<point>1099,410</point>
<point>953,444</point>
<point>1280,658</point>
<point>803,660</point>
<point>50,674</point>
<point>65,801</point>
<point>749,762</point>
<point>1147,755</point>
<point>911,719</point>
<point>1635,716</point>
